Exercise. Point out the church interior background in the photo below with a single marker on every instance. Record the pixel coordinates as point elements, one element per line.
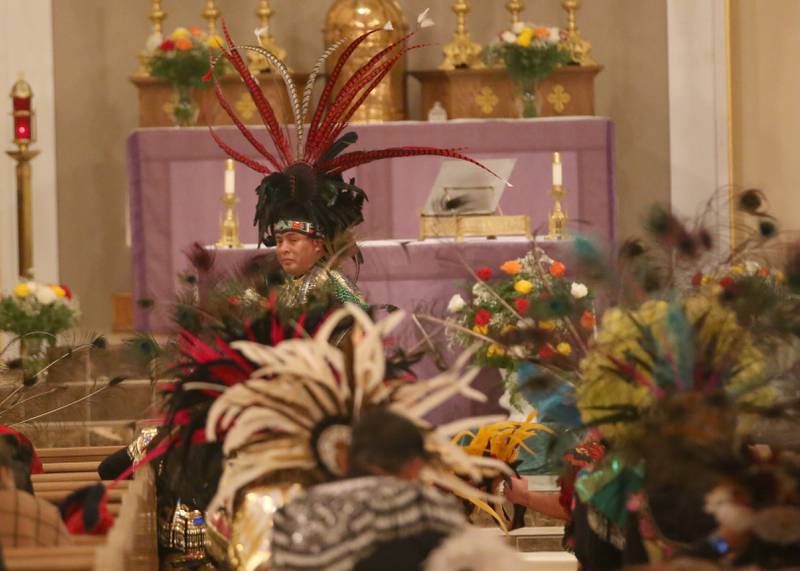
<point>109,191</point>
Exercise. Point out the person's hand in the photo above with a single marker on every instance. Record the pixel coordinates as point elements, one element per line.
<point>516,490</point>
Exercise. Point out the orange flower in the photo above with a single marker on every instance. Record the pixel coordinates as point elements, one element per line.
<point>763,272</point>
<point>183,44</point>
<point>557,269</point>
<point>541,33</point>
<point>511,267</point>
<point>195,31</point>
<point>587,320</point>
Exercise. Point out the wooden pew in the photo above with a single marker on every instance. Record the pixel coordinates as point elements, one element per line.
<point>131,543</point>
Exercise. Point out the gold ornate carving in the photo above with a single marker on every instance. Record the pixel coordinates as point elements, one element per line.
<point>559,98</point>
<point>483,225</point>
<point>515,7</point>
<point>259,63</point>
<point>462,51</point>
<point>487,100</point>
<point>245,107</point>
<point>350,18</point>
<point>579,48</point>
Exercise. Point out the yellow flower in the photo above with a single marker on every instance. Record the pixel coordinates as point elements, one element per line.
<point>547,325</point>
<point>22,290</point>
<point>564,348</point>
<point>525,37</point>
<point>481,329</point>
<point>780,277</point>
<point>495,350</point>
<point>507,329</point>
<point>523,286</point>
<point>58,290</point>
<point>180,33</point>
<point>215,42</point>
<point>737,270</point>
<point>511,267</point>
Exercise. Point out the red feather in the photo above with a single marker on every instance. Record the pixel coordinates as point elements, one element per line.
<point>263,106</point>
<point>353,159</point>
<point>329,84</point>
<point>234,154</point>
<point>244,130</point>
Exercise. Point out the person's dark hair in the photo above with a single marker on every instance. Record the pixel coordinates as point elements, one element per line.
<point>384,442</point>
<point>20,458</point>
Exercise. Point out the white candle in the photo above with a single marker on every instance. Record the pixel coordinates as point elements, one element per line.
<point>230,177</point>
<point>558,177</point>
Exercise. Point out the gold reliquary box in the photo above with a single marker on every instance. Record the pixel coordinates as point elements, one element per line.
<point>462,226</point>
<point>490,93</point>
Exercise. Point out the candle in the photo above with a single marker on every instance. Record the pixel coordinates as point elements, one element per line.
<point>230,177</point>
<point>558,177</point>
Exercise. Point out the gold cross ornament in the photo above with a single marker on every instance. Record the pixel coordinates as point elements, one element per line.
<point>559,98</point>
<point>487,100</point>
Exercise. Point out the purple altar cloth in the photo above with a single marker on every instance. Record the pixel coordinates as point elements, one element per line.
<point>176,181</point>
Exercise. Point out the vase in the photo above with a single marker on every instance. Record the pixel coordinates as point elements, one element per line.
<point>32,353</point>
<point>527,100</point>
<point>184,110</point>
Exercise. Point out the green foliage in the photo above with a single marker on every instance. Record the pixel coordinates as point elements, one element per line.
<point>21,316</point>
<point>527,65</point>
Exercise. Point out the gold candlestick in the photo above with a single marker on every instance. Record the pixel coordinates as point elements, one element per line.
<point>24,135</point>
<point>462,52</point>
<point>579,48</point>
<point>557,220</point>
<point>259,63</point>
<point>229,222</point>
<point>515,7</point>
<point>156,17</point>
<point>210,15</point>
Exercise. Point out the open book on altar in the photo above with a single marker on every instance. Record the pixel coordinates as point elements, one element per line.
<point>462,188</point>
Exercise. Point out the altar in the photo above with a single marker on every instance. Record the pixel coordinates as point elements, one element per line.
<point>176,181</point>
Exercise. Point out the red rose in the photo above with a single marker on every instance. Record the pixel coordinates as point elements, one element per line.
<point>546,351</point>
<point>522,304</point>
<point>697,279</point>
<point>484,273</point>
<point>482,317</point>
<point>233,299</point>
<point>727,282</point>
<point>167,46</point>
<point>67,291</point>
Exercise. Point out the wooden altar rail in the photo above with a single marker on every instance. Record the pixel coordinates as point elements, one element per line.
<point>131,543</point>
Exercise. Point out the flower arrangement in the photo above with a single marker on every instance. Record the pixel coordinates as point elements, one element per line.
<point>182,59</point>
<point>36,313</point>
<point>530,53</point>
<point>532,311</point>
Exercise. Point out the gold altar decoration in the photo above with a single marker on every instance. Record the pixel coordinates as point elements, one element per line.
<point>515,7</point>
<point>258,63</point>
<point>156,17</point>
<point>24,134</point>
<point>557,219</point>
<point>482,225</point>
<point>490,93</point>
<point>579,48</point>
<point>210,15</point>
<point>229,221</point>
<point>350,18</point>
<point>157,95</point>
<point>462,52</point>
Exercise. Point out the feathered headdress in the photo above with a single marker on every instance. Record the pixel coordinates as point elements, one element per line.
<point>303,188</point>
<point>300,405</point>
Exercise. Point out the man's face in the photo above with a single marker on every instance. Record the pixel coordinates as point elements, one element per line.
<point>297,253</point>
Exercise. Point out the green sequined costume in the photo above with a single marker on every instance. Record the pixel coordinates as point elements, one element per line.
<point>320,286</point>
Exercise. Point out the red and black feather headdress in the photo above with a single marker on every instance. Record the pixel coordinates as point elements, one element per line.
<point>304,181</point>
